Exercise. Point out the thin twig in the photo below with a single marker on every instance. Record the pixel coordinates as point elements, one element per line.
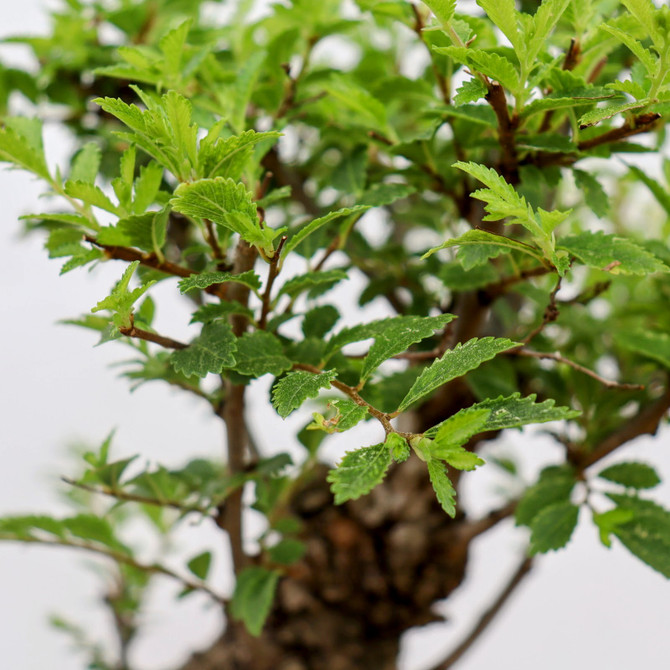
<point>272,275</point>
<point>506,126</point>
<point>132,497</point>
<point>487,617</point>
<point>580,368</point>
<point>213,241</point>
<point>551,313</point>
<point>119,557</point>
<point>147,335</point>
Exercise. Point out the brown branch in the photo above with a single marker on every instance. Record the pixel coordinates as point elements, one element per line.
<point>551,313</point>
<point>645,422</point>
<point>132,497</point>
<point>152,261</point>
<point>487,617</point>
<point>506,126</point>
<point>639,124</point>
<point>272,275</point>
<point>147,335</point>
<point>471,529</point>
<point>580,368</point>
<point>441,80</point>
<point>289,100</point>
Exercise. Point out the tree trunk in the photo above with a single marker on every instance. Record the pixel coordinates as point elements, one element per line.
<point>373,569</point>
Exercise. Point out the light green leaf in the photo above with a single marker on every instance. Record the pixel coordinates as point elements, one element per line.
<point>212,351</point>
<point>293,389</point>
<point>443,9</point>
<point>205,279</point>
<point>349,414</point>
<point>455,432</point>
<point>594,194</point>
<point>199,565</point>
<point>227,204</point>
<point>146,231</point>
<point>608,521</point>
<point>314,225</point>
<point>382,194</point>
<point>611,253</point>
<point>455,363</point>
<point>495,66</point>
<point>359,472</point>
<point>631,474</point>
<point>245,80</point>
<point>645,56</point>
<point>287,551</point>
<point>253,596</point>
<point>552,528</point>
<point>491,245</point>
<point>647,343</point>
<point>86,163</point>
<point>172,47</point>
<point>445,492</point>
<point>644,11</point>
<point>398,447</point>
<point>147,186</point>
<point>260,353</point>
<point>566,100</point>
<point>90,195</point>
<point>470,91</point>
<point>21,144</point>
<point>220,310</point>
<point>503,13</point>
<point>602,113</point>
<point>538,28</point>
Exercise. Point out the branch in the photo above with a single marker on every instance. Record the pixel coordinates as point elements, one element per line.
<point>506,127</point>
<point>645,422</point>
<point>487,617</point>
<point>639,124</point>
<point>471,529</point>
<point>118,557</point>
<point>561,359</point>
<point>132,497</point>
<point>551,313</point>
<point>147,335</point>
<point>272,275</point>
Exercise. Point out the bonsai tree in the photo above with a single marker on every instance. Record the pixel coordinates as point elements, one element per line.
<point>283,169</point>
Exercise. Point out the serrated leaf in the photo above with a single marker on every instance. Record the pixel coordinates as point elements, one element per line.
<point>260,353</point>
<point>315,224</point>
<point>320,321</point>
<point>225,203</point>
<point>503,13</point>
<point>497,67</point>
<point>145,231</point>
<point>611,253</point>
<point>538,28</point>
<point>213,311</point>
<point>172,46</point>
<point>631,474</point>
<point>359,472</point>
<point>445,492</point>
<point>552,527</point>
<point>86,163</point>
<point>566,99</point>
<point>21,144</point>
<point>443,9</point>
<point>382,194</point>
<point>554,486</point>
<point>608,521</point>
<point>599,114</point>
<point>147,186</point>
<point>199,565</point>
<point>296,387</point>
<point>320,281</point>
<point>455,363</point>
<point>90,194</point>
<point>204,280</point>
<point>455,432</point>
<point>394,336</point>
<point>349,414</point>
<point>212,351</point>
<point>646,57</point>
<point>470,91</point>
<point>644,11</point>
<point>252,600</point>
<point>647,343</point>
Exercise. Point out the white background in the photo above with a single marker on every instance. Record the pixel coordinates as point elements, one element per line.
<point>581,608</point>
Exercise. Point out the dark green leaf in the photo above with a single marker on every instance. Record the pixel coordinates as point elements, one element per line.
<point>359,472</point>
<point>260,353</point>
<point>212,351</point>
<point>633,475</point>
<point>253,596</point>
<point>553,526</point>
<point>199,565</point>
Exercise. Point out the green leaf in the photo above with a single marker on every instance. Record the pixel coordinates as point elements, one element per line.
<point>121,300</point>
<point>90,194</point>
<point>608,521</point>
<point>477,246</point>
<point>644,11</point>
<point>455,432</point>
<point>538,28</point>
<point>320,321</point>
<point>213,311</point>
<point>253,596</point>
<point>495,66</point>
<point>319,281</point>
<point>552,527</point>
<point>445,492</point>
<point>503,13</point>
<point>145,231</point>
<point>293,389</point>
<point>554,486</point>
<point>349,414</point>
<point>287,551</point>
<point>599,114</point>
<point>314,225</point>
<point>382,194</point>
<point>611,253</point>
<point>212,351</point>
<point>21,144</point>
<point>455,363</point>
<point>204,280</point>
<point>470,91</point>
<point>86,163</point>
<point>260,353</point>
<point>394,336</point>
<point>633,475</point>
<point>199,565</point>
<point>443,9</point>
<point>565,100</point>
<point>359,472</point>
<point>594,194</point>
<point>398,447</point>
<point>647,343</point>
<point>645,56</point>
<point>227,204</point>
